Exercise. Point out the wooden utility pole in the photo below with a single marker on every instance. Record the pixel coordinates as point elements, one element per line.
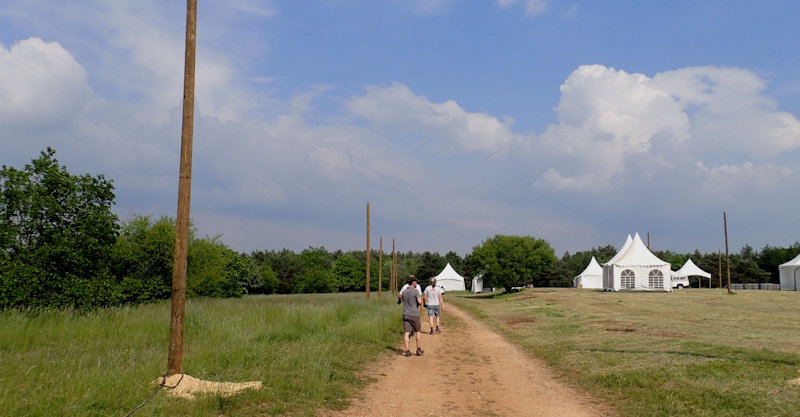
<point>175,357</point>
<point>368,254</point>
<point>727,257</point>
<point>648,240</point>
<point>380,268</point>
<point>394,270</point>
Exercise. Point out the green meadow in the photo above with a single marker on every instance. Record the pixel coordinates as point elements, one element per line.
<point>688,353</point>
<point>306,349</point>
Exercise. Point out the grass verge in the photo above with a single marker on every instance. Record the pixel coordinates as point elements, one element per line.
<point>687,353</point>
<point>307,350</point>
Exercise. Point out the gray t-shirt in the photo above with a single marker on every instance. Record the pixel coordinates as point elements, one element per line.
<point>410,306</point>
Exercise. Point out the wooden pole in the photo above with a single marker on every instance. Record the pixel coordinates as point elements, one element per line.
<point>368,254</point>
<point>394,269</point>
<point>648,240</point>
<point>727,257</point>
<point>175,356</point>
<point>380,268</point>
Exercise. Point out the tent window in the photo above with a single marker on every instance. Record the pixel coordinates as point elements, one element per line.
<point>628,279</point>
<point>656,279</point>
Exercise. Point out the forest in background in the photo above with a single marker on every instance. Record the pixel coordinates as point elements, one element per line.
<point>62,246</point>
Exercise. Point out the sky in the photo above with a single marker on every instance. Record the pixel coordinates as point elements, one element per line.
<point>578,122</point>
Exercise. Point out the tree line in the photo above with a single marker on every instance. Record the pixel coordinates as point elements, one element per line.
<point>62,246</point>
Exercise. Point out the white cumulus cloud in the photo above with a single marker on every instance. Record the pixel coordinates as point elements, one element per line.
<point>42,84</point>
<point>397,106</point>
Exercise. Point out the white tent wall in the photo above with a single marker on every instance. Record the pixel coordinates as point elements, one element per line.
<point>790,275</point>
<point>477,284</point>
<point>641,275</point>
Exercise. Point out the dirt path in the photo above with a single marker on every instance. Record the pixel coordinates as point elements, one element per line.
<point>475,373</point>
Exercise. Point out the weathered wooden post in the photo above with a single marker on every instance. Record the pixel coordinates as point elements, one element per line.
<point>175,357</point>
<point>368,254</point>
<point>727,257</point>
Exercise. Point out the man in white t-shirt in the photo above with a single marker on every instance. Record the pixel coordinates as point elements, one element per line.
<point>434,301</point>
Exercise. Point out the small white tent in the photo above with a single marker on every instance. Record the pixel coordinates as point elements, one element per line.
<point>790,275</point>
<point>680,278</point>
<point>636,268</point>
<point>450,280</point>
<point>477,284</point>
<point>591,277</point>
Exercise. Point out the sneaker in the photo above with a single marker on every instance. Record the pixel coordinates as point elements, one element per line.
<point>431,330</point>
<point>437,329</point>
<point>419,352</point>
<point>408,352</point>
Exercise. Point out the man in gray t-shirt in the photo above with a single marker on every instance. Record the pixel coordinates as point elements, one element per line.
<point>411,301</point>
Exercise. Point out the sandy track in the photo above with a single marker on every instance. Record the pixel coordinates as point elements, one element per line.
<point>467,370</point>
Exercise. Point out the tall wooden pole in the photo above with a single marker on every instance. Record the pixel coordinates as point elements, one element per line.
<point>394,270</point>
<point>648,240</point>
<point>727,257</point>
<point>368,254</point>
<point>175,357</point>
<point>380,268</point>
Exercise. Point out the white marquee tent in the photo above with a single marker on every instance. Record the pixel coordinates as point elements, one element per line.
<point>477,284</point>
<point>790,275</point>
<point>689,269</point>
<point>450,280</point>
<point>591,277</point>
<point>634,267</point>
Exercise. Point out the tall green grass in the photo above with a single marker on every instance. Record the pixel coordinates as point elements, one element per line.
<point>688,353</point>
<point>306,349</point>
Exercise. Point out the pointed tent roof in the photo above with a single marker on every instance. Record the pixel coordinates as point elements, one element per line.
<point>593,268</point>
<point>625,247</point>
<point>450,280</point>
<point>793,262</point>
<point>636,254</point>
<point>690,269</point>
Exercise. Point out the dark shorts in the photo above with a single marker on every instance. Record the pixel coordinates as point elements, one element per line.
<point>433,311</point>
<point>411,323</point>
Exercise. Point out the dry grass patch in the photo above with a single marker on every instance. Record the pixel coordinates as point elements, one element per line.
<point>687,353</point>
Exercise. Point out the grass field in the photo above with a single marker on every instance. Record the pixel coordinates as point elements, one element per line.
<point>306,349</point>
<point>687,353</point>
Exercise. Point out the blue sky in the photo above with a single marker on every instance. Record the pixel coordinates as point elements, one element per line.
<point>577,122</point>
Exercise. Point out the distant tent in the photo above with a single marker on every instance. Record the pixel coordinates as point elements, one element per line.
<point>689,269</point>
<point>450,280</point>
<point>477,284</point>
<point>591,277</point>
<point>635,268</point>
<point>790,275</point>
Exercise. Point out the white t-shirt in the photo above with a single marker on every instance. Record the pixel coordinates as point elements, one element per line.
<point>432,293</point>
<point>419,291</point>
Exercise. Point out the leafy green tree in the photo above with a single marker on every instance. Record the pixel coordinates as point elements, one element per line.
<point>214,270</point>
<point>508,261</point>
<point>316,275</point>
<point>430,264</point>
<point>349,272</point>
<point>56,235</point>
<point>143,258</point>
<point>285,264</point>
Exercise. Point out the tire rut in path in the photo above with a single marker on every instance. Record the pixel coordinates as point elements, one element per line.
<point>467,370</point>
